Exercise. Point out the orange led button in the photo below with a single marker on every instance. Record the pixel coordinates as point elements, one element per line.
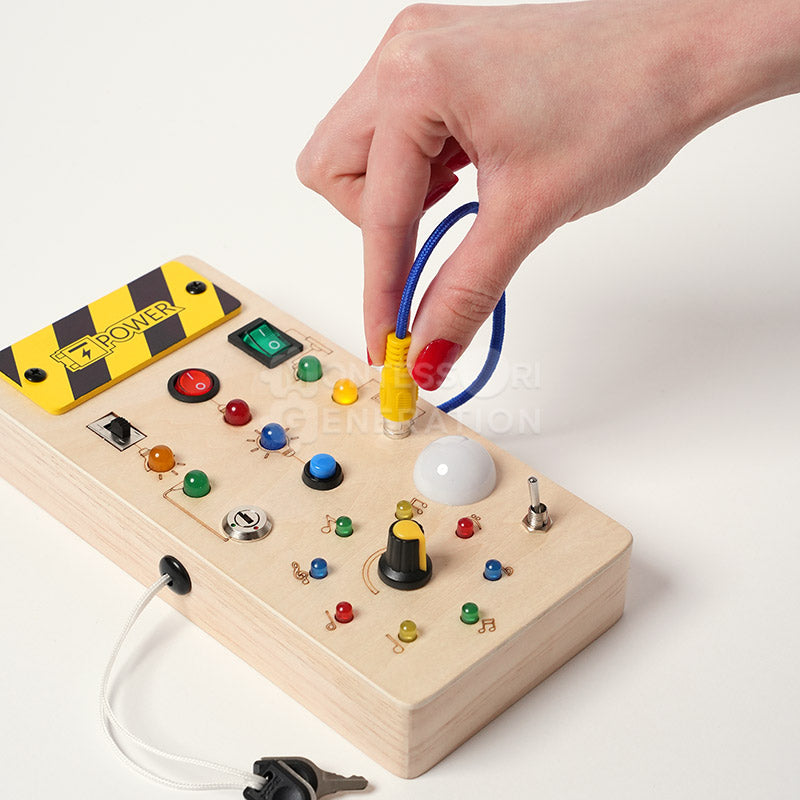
<point>160,458</point>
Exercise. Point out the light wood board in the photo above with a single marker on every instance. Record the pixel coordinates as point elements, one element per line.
<point>405,705</point>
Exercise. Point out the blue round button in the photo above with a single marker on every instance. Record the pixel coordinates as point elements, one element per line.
<point>273,436</point>
<point>319,568</point>
<point>322,466</point>
<point>493,570</point>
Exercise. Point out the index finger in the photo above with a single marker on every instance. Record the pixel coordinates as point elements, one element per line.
<point>398,175</point>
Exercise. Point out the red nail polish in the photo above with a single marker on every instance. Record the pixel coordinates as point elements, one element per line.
<point>434,362</point>
<point>459,160</point>
<point>438,192</point>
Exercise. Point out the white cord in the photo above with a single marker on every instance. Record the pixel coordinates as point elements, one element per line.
<point>111,723</point>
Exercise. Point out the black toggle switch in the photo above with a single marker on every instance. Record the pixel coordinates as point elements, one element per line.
<point>119,428</point>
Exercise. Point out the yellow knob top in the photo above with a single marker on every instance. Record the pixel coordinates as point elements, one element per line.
<point>408,529</point>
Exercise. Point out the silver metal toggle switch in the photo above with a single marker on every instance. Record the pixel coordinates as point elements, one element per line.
<point>247,523</point>
<point>538,517</point>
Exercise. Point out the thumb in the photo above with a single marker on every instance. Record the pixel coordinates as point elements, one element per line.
<point>465,292</point>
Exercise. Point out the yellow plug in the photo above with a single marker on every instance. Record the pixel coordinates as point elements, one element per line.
<point>398,389</point>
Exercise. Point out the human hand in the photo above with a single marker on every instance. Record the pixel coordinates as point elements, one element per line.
<point>564,109</point>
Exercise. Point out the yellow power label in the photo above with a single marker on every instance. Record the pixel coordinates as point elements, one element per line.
<point>98,345</point>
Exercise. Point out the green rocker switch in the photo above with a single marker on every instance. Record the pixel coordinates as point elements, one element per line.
<point>265,342</point>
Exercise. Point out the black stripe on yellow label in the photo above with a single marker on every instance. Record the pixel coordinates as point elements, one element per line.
<point>115,336</point>
<point>228,302</point>
<point>74,334</point>
<point>147,291</point>
<point>8,366</point>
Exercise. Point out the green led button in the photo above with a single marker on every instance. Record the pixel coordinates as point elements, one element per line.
<point>344,526</point>
<point>196,483</point>
<point>469,613</point>
<point>309,369</point>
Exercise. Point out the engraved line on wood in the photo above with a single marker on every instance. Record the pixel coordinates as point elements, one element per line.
<point>313,344</point>
<point>365,571</point>
<point>189,513</point>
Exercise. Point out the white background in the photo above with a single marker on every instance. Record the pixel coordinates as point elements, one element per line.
<point>665,333</point>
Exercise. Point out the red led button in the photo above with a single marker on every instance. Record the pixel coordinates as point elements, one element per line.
<point>194,383</point>
<point>344,612</point>
<point>465,529</point>
<point>237,412</point>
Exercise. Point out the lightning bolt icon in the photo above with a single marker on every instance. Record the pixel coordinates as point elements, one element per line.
<point>87,352</point>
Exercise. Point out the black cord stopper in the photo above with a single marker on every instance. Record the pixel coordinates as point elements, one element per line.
<point>180,582</point>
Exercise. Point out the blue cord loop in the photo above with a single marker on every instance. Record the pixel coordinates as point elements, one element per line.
<point>498,316</point>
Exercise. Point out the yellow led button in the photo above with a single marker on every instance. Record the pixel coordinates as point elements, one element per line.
<point>345,392</point>
<point>404,510</point>
<point>408,631</point>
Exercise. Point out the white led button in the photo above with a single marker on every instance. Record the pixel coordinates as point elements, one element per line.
<point>455,470</point>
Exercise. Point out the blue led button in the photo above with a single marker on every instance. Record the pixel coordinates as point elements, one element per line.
<point>273,436</point>
<point>493,570</point>
<point>322,472</point>
<point>322,466</point>
<point>319,568</point>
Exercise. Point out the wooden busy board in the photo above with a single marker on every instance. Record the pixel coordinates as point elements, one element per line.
<point>407,705</point>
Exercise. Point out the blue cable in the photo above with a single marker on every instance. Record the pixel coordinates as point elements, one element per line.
<point>498,316</point>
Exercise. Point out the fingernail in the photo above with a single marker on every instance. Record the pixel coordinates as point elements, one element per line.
<point>458,161</point>
<point>434,362</point>
<point>438,192</point>
<point>369,359</point>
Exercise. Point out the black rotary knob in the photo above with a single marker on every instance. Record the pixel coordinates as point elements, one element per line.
<point>405,564</point>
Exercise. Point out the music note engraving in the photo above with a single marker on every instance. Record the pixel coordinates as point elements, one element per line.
<point>300,574</point>
<point>398,648</point>
<point>419,505</point>
<point>487,625</point>
<point>329,523</point>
